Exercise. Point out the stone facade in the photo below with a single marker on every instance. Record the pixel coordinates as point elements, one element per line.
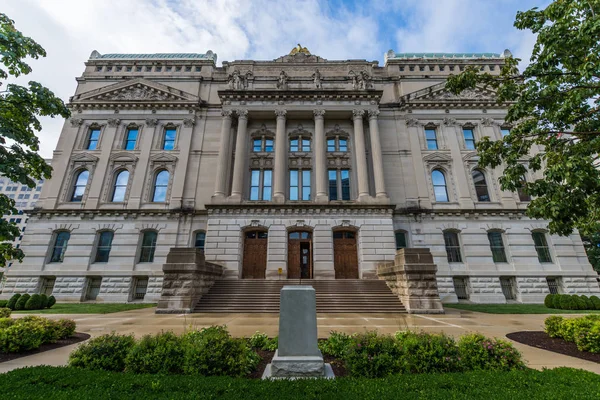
<point>172,151</point>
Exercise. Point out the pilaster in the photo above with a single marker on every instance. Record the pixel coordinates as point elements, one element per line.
<point>224,155</point>
<point>361,155</point>
<point>239,165</point>
<point>320,158</point>
<point>280,158</point>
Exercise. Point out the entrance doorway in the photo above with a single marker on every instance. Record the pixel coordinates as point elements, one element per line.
<point>255,254</point>
<point>345,256</point>
<point>300,255</point>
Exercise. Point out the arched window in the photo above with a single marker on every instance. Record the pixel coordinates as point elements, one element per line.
<point>79,187</point>
<point>169,138</point>
<point>148,246</point>
<point>199,240</point>
<point>161,183</point>
<point>400,239</point>
<point>452,246</point>
<point>439,185</point>
<point>497,246</point>
<point>541,247</point>
<point>105,239</point>
<point>481,188</point>
<point>120,186</point>
<point>60,246</point>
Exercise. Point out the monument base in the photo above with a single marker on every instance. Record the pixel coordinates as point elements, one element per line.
<point>297,367</point>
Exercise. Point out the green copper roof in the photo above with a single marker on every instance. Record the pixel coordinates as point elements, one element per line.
<point>155,56</point>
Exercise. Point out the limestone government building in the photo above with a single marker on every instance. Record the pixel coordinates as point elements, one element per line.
<point>297,167</point>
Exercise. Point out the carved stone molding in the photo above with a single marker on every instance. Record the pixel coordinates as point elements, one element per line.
<point>151,122</point>
<point>242,113</point>
<point>189,122</point>
<point>319,113</point>
<point>237,81</point>
<point>226,113</point>
<point>449,122</point>
<point>373,113</point>
<point>75,122</point>
<point>280,113</point>
<point>114,122</point>
<point>282,80</point>
<point>412,122</point>
<point>358,113</point>
<point>488,122</point>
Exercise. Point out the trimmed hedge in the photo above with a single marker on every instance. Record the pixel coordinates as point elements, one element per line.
<point>13,301</point>
<point>31,332</point>
<point>3,303</point>
<point>584,331</point>
<point>42,383</point>
<point>34,302</point>
<point>20,304</point>
<point>29,302</point>
<point>572,302</point>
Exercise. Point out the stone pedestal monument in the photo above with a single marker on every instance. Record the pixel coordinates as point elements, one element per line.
<point>298,355</point>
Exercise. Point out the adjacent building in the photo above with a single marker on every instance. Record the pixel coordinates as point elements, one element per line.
<point>298,167</point>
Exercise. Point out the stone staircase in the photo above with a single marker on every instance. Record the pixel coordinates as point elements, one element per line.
<point>333,296</point>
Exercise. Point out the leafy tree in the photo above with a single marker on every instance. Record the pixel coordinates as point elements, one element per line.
<point>19,108</point>
<point>554,108</point>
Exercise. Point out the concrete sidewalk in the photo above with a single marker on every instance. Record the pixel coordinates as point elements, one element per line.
<point>454,322</point>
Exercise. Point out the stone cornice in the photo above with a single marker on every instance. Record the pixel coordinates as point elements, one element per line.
<point>306,95</point>
<point>308,210</point>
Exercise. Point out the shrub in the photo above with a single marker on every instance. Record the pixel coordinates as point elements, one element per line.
<point>588,303</point>
<point>258,340</point>
<point>21,337</point>
<point>153,354</point>
<point>34,302</point>
<point>565,302</point>
<point>549,301</point>
<point>336,344</point>
<point>373,356</point>
<point>553,325</point>
<point>6,322</point>
<point>13,301</point>
<point>49,327</point>
<point>426,353</point>
<point>581,303</point>
<point>556,301</point>
<point>106,352</point>
<point>51,301</point>
<point>44,301</point>
<point>588,338</point>
<point>478,352</point>
<point>596,302</point>
<point>20,304</point>
<point>5,312</point>
<point>65,328</point>
<point>272,344</point>
<point>3,303</point>
<point>212,351</point>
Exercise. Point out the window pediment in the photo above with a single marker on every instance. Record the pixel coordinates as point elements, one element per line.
<point>437,158</point>
<point>163,158</point>
<point>135,90</point>
<point>84,158</point>
<point>123,157</point>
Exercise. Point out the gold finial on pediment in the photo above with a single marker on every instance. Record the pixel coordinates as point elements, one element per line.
<point>299,49</point>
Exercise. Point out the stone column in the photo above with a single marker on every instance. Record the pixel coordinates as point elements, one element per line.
<point>413,127</point>
<point>106,144</point>
<point>152,125</point>
<point>361,155</point>
<point>377,157</point>
<point>224,156</point>
<point>239,165</point>
<point>184,145</point>
<point>280,158</point>
<point>452,132</point>
<point>320,158</point>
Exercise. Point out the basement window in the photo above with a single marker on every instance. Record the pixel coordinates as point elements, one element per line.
<point>508,287</point>
<point>461,288</point>
<point>141,286</point>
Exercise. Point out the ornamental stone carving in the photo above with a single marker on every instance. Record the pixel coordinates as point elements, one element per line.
<point>449,122</point>
<point>358,113</point>
<point>75,122</point>
<point>282,81</point>
<point>280,113</point>
<point>467,94</point>
<point>151,122</point>
<point>242,113</point>
<point>412,122</point>
<point>226,113</point>
<point>139,93</point>
<point>373,113</point>
<point>189,122</point>
<point>361,80</point>
<point>113,122</point>
<point>319,113</point>
<point>317,79</point>
<point>237,81</point>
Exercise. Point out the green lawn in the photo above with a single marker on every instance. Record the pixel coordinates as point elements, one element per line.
<point>516,309</point>
<point>69,383</point>
<point>85,308</point>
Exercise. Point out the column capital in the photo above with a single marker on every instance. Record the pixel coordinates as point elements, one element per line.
<point>373,113</point>
<point>358,114</point>
<point>226,113</point>
<point>412,122</point>
<point>280,113</point>
<point>319,113</point>
<point>242,113</point>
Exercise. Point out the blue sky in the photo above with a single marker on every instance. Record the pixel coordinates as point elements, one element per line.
<point>257,29</point>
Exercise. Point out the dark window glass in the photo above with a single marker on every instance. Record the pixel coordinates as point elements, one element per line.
<point>333,188</point>
<point>120,186</point>
<point>93,138</point>
<point>294,235</point>
<point>199,240</point>
<point>345,179</point>
<point>469,139</point>
<point>104,245</point>
<point>60,247</point>
<point>541,247</point>
<point>400,240</point>
<point>262,235</point>
<point>131,139</point>
<point>481,188</point>
<point>431,139</point>
<point>439,185</point>
<point>80,185</point>
<point>338,235</point>
<point>148,246</point>
<point>497,246</point>
<point>169,139</point>
<point>452,246</point>
<point>161,183</point>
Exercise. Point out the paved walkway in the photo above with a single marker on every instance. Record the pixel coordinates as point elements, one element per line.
<point>454,322</point>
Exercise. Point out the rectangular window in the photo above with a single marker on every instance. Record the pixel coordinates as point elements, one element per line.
<point>553,285</point>
<point>169,142</point>
<point>460,288</point>
<point>294,145</point>
<point>345,179</point>
<point>93,138</point>
<point>305,145</point>
<point>269,145</point>
<point>93,288</point>
<point>541,247</point>
<point>497,246</point>
<point>333,186</point>
<point>469,138</point>
<point>343,145</point>
<point>452,246</point>
<point>148,246</point>
<point>306,185</point>
<point>339,184</point>
<point>330,145</point>
<point>299,185</point>
<point>504,132</point>
<point>294,184</point>
<point>48,286</point>
<point>431,137</point>
<point>257,145</point>
<point>131,139</point>
<point>508,287</point>
<point>261,184</point>
<point>141,286</point>
<point>400,240</point>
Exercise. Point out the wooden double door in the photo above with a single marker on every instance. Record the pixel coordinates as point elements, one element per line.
<point>299,255</point>
<point>345,256</point>
<point>255,254</point>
